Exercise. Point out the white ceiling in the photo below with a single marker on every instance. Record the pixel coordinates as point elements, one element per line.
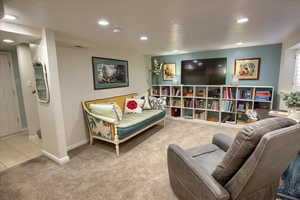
<point>17,38</point>
<point>186,25</point>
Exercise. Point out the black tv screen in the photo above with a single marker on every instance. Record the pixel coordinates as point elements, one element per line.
<point>204,71</point>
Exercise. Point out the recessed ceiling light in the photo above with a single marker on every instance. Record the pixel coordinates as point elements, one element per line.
<point>32,45</point>
<point>9,17</point>
<point>239,43</point>
<point>116,30</point>
<point>144,38</point>
<point>8,41</point>
<point>103,22</point>
<point>242,20</point>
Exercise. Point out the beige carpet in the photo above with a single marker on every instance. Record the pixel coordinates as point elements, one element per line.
<point>94,172</point>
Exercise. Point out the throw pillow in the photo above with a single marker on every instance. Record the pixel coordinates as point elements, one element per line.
<point>158,103</point>
<point>145,96</point>
<point>105,110</point>
<point>244,144</point>
<point>134,105</point>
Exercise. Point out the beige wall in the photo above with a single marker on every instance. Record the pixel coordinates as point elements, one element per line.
<point>287,68</point>
<point>76,80</point>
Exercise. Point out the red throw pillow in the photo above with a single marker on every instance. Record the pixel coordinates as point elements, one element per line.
<point>134,105</point>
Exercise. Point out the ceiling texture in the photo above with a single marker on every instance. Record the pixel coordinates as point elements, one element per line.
<point>184,25</point>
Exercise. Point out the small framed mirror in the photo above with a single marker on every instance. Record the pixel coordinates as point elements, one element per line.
<point>41,82</point>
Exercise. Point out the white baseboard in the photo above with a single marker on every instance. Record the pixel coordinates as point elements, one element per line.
<point>60,161</point>
<point>34,137</point>
<point>14,132</point>
<point>78,144</point>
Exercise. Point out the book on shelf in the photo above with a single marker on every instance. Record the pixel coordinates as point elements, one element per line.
<point>188,92</point>
<point>243,107</point>
<point>244,93</point>
<point>263,95</point>
<point>155,92</point>
<point>200,115</point>
<point>214,93</point>
<point>229,93</point>
<point>227,106</point>
<point>176,103</point>
<point>200,93</point>
<point>165,92</point>
<point>213,105</point>
<point>188,103</point>
<point>200,103</point>
<point>176,92</point>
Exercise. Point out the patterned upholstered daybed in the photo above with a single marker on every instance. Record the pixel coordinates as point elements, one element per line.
<point>117,131</point>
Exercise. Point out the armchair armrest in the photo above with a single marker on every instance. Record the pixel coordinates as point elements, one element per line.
<point>100,117</point>
<point>222,141</point>
<point>189,181</point>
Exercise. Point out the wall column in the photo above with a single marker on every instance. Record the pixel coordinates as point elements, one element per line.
<point>27,77</point>
<point>51,114</point>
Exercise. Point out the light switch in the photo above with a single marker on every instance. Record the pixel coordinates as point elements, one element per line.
<point>29,83</point>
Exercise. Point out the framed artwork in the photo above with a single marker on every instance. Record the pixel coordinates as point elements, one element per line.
<point>169,71</point>
<point>109,73</point>
<point>247,69</point>
<point>41,82</point>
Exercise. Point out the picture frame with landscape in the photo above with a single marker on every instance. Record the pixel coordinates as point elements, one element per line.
<point>109,73</point>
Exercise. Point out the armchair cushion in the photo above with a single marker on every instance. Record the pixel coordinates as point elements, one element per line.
<point>206,157</point>
<point>244,144</point>
<point>222,141</point>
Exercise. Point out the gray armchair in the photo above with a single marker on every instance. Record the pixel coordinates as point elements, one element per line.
<point>245,168</point>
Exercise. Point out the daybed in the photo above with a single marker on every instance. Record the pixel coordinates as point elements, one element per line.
<point>116,131</point>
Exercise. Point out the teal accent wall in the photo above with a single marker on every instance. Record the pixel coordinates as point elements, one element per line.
<point>269,70</point>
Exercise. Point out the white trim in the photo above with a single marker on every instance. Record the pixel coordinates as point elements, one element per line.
<point>8,134</point>
<point>78,144</point>
<point>60,161</point>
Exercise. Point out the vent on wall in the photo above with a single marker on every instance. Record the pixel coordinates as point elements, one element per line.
<point>79,46</point>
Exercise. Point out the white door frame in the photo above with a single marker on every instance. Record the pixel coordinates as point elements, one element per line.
<point>12,77</point>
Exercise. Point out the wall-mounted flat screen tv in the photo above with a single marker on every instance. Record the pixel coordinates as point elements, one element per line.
<point>204,71</point>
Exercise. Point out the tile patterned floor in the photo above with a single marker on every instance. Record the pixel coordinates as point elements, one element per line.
<point>16,149</point>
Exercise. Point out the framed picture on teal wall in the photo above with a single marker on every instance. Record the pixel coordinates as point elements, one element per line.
<point>247,68</point>
<point>109,73</point>
<point>169,71</point>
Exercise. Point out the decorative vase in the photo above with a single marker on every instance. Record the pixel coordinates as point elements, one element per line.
<point>235,80</point>
<point>294,113</point>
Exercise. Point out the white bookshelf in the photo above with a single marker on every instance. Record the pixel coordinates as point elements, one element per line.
<point>206,102</point>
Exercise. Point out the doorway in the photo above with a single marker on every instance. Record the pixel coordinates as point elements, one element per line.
<point>15,145</point>
<point>9,112</point>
